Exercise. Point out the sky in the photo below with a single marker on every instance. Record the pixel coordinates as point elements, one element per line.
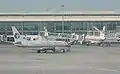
<point>55,5</point>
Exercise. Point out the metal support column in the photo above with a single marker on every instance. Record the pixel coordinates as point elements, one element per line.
<point>62,18</point>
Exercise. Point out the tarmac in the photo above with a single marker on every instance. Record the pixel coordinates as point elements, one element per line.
<point>80,60</point>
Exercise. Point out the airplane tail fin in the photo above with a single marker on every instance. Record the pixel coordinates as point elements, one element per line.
<point>46,32</point>
<point>16,34</point>
<point>103,32</point>
<point>104,28</point>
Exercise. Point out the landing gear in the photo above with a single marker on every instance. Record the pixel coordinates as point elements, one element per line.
<point>99,44</point>
<point>45,51</point>
<point>62,50</point>
<point>88,43</point>
<point>38,51</point>
<point>54,50</point>
<point>57,49</point>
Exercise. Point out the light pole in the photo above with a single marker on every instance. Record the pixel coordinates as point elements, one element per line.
<point>71,27</point>
<point>87,28</point>
<point>62,18</point>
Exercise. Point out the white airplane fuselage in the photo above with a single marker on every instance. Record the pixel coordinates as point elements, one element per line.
<point>94,39</point>
<point>43,45</point>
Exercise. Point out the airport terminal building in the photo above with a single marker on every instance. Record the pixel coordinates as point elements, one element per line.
<point>31,23</point>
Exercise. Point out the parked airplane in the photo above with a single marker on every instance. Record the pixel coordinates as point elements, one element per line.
<point>69,38</point>
<point>39,44</point>
<point>93,39</point>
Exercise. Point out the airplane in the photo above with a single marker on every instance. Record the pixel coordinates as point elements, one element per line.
<point>69,38</point>
<point>92,39</point>
<point>39,44</point>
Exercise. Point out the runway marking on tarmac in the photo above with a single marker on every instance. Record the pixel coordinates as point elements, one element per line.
<point>103,69</point>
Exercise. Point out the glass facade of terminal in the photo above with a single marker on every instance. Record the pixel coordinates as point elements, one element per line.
<point>32,27</point>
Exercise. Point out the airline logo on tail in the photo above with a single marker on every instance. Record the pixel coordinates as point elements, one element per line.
<point>17,35</point>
